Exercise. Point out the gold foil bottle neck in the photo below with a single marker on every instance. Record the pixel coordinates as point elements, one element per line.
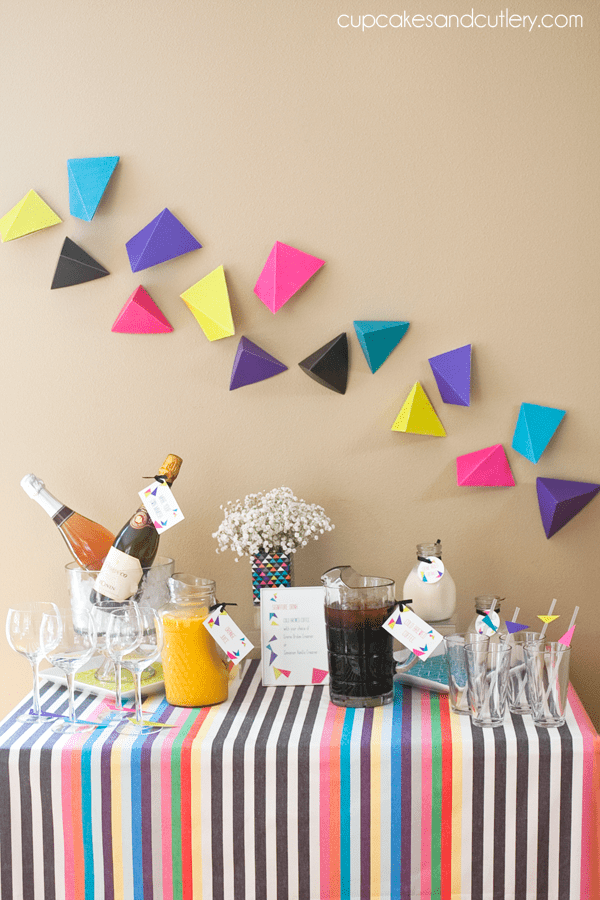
<point>170,467</point>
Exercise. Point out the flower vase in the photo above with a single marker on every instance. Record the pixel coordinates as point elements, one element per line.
<point>271,569</point>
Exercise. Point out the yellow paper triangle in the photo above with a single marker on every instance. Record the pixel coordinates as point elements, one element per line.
<point>208,300</point>
<point>29,215</point>
<point>547,619</point>
<point>418,416</point>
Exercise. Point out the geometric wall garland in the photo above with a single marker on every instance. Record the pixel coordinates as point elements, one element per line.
<point>208,301</point>
<point>452,372</point>
<point>141,315</point>
<point>329,365</point>
<point>284,273</point>
<point>559,500</point>
<point>378,339</point>
<point>418,416</point>
<point>484,468</point>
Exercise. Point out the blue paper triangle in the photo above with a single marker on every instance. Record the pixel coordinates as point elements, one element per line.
<point>378,339</point>
<point>534,429</point>
<point>88,179</point>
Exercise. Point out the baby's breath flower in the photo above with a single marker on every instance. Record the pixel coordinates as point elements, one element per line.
<point>276,520</point>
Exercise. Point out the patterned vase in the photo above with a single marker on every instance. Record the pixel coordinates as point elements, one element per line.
<point>270,570</point>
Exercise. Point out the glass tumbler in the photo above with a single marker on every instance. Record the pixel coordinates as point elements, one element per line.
<point>548,678</point>
<point>487,677</point>
<point>518,688</point>
<point>457,669</point>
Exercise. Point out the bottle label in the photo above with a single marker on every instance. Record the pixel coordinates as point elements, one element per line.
<point>162,506</point>
<point>228,636</point>
<point>431,571</point>
<point>413,631</point>
<point>141,519</point>
<point>488,623</point>
<point>119,576</point>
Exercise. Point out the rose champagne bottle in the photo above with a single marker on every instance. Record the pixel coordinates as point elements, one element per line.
<point>88,542</point>
<point>133,550</point>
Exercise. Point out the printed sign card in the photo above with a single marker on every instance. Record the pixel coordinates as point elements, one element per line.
<point>294,646</point>
<point>412,631</point>
<point>161,505</point>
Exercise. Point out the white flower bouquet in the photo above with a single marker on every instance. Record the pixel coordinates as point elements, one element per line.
<point>273,521</point>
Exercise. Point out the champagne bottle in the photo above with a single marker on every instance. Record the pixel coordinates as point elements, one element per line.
<point>88,542</point>
<point>133,550</point>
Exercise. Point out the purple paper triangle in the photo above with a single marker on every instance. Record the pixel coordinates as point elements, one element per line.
<point>513,627</point>
<point>162,239</point>
<point>452,371</point>
<point>560,500</point>
<point>253,364</point>
<point>273,658</point>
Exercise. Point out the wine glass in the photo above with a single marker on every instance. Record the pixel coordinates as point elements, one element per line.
<point>69,642</point>
<point>147,651</point>
<point>23,633</point>
<point>122,629</point>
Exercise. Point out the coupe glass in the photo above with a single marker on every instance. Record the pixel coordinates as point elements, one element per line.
<point>122,634</point>
<point>69,642</point>
<point>147,651</point>
<point>23,633</point>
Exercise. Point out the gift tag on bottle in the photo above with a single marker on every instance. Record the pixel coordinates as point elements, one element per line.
<point>228,636</point>
<point>412,631</point>
<point>430,569</point>
<point>161,505</point>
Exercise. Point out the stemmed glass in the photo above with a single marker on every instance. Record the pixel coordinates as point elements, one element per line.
<point>122,628</point>
<point>23,633</point>
<point>147,651</point>
<point>69,642</point>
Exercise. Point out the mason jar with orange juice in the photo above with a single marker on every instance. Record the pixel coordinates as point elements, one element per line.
<point>195,674</point>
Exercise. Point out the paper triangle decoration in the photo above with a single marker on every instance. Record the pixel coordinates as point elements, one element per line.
<point>208,300</point>
<point>29,215</point>
<point>253,364</point>
<point>88,179</point>
<point>561,500</point>
<point>567,636</point>
<point>418,416</point>
<point>162,239</point>
<point>141,315</point>
<point>284,273</point>
<point>273,616</point>
<point>513,627</point>
<point>274,638</point>
<point>276,672</point>
<point>318,675</point>
<point>452,371</point>
<point>535,426</point>
<point>75,266</point>
<point>378,339</point>
<point>489,622</point>
<point>329,364</point>
<point>273,657</point>
<point>547,619</point>
<point>484,468</point>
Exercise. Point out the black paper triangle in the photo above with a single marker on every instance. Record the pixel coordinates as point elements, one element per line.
<point>329,365</point>
<point>75,266</point>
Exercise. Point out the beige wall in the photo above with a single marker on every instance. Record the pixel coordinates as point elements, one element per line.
<point>448,178</point>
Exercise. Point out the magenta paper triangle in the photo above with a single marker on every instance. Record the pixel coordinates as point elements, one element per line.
<point>285,272</point>
<point>567,637</point>
<point>484,468</point>
<point>318,675</point>
<point>513,627</point>
<point>141,315</point>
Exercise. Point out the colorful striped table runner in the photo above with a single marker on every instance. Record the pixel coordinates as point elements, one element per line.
<point>278,795</point>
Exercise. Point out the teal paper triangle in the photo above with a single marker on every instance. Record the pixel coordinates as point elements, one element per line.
<point>88,179</point>
<point>378,339</point>
<point>534,429</point>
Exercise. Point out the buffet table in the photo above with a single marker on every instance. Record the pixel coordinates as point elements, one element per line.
<point>279,794</point>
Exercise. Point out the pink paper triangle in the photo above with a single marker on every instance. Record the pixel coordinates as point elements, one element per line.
<point>567,636</point>
<point>318,675</point>
<point>285,272</point>
<point>484,468</point>
<point>141,315</point>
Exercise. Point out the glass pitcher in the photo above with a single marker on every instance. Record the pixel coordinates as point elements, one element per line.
<point>195,674</point>
<point>360,651</point>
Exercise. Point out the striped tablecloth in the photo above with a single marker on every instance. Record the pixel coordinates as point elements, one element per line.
<point>279,794</point>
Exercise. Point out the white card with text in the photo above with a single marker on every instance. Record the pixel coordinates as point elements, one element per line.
<point>162,506</point>
<point>412,631</point>
<point>293,642</point>
<point>228,636</point>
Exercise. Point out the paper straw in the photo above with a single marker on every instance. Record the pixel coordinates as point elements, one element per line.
<point>573,617</point>
<point>550,611</point>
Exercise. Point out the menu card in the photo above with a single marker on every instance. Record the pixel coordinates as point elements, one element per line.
<point>294,646</point>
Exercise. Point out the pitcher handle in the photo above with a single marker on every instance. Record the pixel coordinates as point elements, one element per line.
<point>407,664</point>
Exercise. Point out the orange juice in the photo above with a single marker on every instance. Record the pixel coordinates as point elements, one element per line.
<point>195,674</point>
